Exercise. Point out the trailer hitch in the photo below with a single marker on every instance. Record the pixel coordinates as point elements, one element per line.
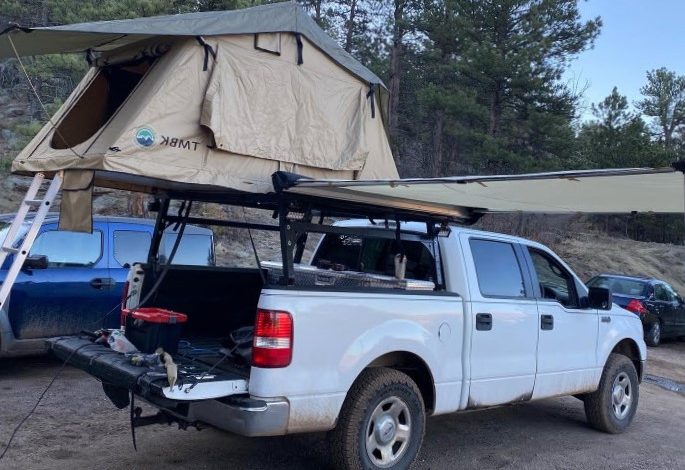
<point>137,420</point>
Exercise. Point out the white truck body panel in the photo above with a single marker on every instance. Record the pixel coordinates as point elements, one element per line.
<point>337,335</point>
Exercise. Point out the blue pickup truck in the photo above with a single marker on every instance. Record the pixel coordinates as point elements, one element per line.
<point>79,277</point>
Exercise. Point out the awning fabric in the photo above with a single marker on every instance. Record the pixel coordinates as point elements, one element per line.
<point>590,191</point>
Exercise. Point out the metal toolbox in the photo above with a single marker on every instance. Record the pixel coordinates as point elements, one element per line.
<point>306,275</point>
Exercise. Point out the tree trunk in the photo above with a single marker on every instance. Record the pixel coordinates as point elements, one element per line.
<point>317,11</point>
<point>438,148</point>
<point>136,205</point>
<point>495,111</point>
<point>395,68</point>
<point>350,26</point>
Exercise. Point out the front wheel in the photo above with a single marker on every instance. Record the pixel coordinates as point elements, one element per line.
<point>612,406</point>
<point>381,423</point>
<point>653,336</point>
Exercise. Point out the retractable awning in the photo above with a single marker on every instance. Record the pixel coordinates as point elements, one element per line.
<point>629,190</point>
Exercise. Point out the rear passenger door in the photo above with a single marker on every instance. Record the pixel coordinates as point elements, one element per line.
<point>567,345</point>
<point>504,317</point>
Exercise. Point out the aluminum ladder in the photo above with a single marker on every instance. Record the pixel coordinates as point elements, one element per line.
<point>39,208</point>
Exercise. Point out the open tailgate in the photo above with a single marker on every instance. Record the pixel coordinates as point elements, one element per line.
<point>197,380</point>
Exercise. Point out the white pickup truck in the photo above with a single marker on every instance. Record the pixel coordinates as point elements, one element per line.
<point>479,320</point>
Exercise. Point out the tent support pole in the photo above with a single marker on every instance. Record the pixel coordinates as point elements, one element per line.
<point>160,226</point>
<point>287,239</point>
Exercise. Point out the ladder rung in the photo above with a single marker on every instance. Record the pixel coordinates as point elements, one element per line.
<point>10,250</point>
<point>33,202</point>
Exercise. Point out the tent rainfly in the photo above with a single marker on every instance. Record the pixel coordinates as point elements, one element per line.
<point>215,99</point>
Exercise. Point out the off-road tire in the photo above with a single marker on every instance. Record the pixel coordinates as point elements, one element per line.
<point>375,385</point>
<point>599,405</point>
<point>653,334</point>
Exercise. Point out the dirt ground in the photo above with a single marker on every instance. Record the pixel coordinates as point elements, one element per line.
<point>76,427</point>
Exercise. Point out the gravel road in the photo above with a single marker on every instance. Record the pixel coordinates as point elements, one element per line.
<point>76,427</point>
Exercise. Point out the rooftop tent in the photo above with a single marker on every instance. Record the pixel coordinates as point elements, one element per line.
<point>215,99</point>
<point>462,198</point>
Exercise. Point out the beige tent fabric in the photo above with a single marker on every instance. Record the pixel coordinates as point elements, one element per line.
<point>157,132</point>
<point>265,105</point>
<point>76,209</point>
<point>591,191</point>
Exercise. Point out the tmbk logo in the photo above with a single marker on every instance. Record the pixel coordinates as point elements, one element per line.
<point>145,137</point>
<point>179,143</point>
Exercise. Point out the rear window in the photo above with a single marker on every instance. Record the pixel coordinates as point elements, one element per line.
<point>374,256</point>
<point>620,286</point>
<point>131,247</point>
<point>194,249</point>
<point>497,269</point>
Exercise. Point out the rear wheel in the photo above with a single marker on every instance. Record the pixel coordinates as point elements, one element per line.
<point>381,424</point>
<point>653,336</point>
<point>612,406</point>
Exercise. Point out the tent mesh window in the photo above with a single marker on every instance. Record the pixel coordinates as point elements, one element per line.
<point>98,103</point>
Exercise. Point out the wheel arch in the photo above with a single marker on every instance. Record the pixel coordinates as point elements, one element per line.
<point>415,367</point>
<point>629,348</point>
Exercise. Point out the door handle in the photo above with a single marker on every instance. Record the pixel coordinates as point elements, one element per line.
<point>546,322</point>
<point>484,322</point>
<point>606,319</point>
<point>100,282</point>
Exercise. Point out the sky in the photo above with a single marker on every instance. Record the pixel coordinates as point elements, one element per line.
<point>636,36</point>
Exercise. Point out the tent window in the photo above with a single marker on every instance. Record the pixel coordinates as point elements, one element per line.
<point>270,42</point>
<point>105,94</point>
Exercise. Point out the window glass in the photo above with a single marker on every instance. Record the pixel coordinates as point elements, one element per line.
<point>619,285</point>
<point>497,269</point>
<point>662,293</point>
<point>194,249</point>
<point>671,293</point>
<point>374,256</point>
<point>5,228</point>
<point>131,247</point>
<point>69,248</point>
<point>555,282</point>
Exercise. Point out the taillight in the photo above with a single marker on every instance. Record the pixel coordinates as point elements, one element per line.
<point>124,298</point>
<point>273,339</point>
<point>637,307</point>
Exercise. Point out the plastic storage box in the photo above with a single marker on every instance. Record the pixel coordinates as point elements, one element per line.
<point>151,328</point>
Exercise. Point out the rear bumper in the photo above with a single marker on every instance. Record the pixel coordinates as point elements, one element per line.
<point>243,415</point>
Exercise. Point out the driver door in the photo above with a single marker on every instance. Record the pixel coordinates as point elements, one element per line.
<point>566,356</point>
<point>68,296</point>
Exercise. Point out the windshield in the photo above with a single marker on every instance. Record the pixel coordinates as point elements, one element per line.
<point>619,285</point>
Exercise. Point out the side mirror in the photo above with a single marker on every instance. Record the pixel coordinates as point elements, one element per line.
<point>600,298</point>
<point>36,262</point>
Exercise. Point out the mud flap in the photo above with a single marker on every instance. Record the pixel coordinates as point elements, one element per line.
<point>119,396</point>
